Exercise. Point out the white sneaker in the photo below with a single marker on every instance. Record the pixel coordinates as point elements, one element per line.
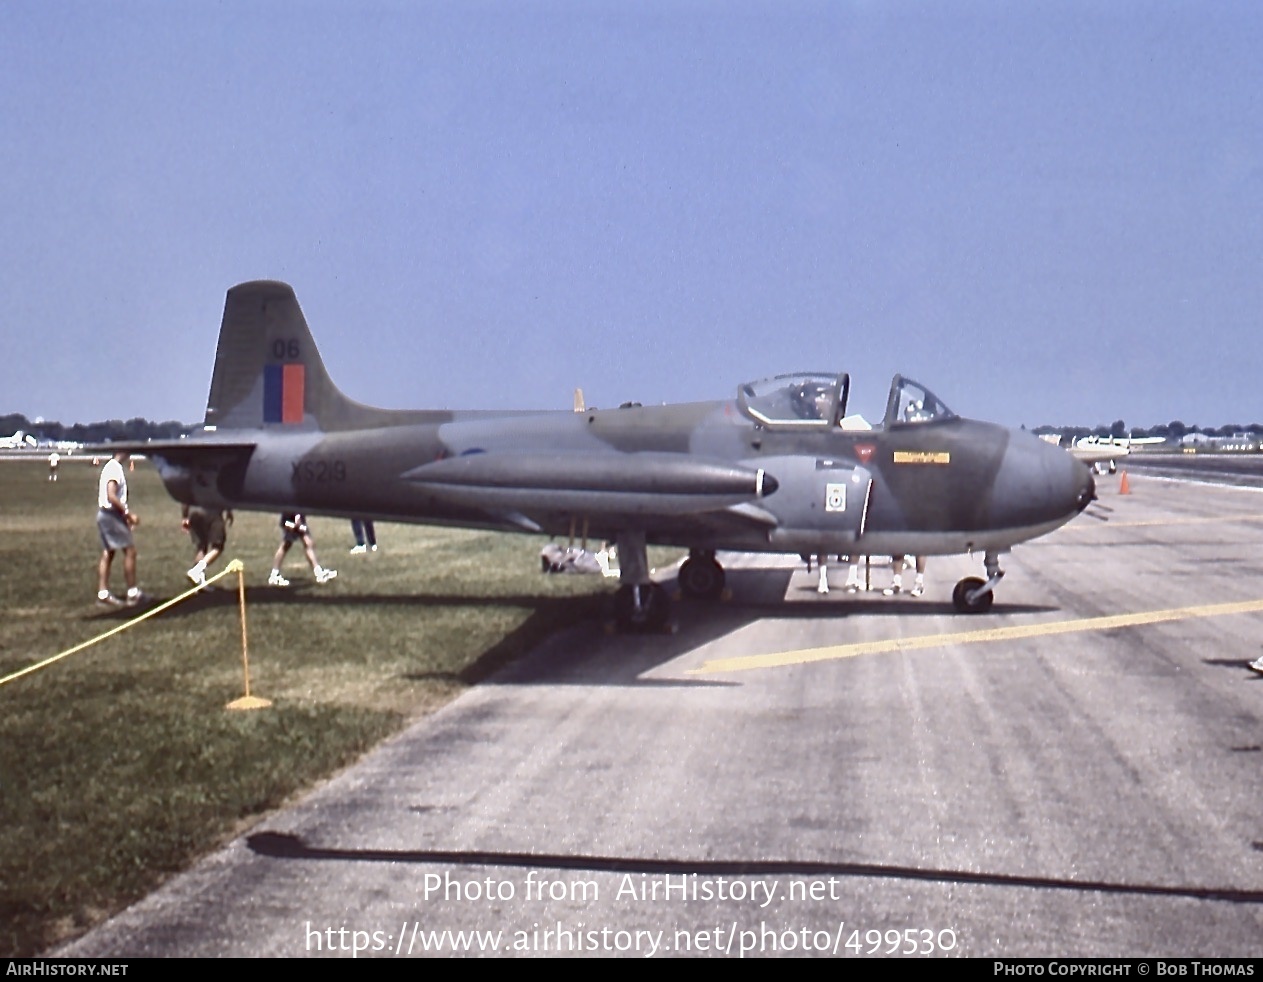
<point>918,589</point>
<point>373,547</point>
<point>197,575</point>
<point>276,579</point>
<point>325,575</point>
<point>356,550</point>
<point>1256,665</point>
<point>891,590</point>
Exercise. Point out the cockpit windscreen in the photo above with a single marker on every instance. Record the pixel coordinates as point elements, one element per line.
<point>911,402</point>
<point>804,400</point>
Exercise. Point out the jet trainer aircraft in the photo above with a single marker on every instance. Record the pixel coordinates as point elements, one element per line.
<point>781,468</point>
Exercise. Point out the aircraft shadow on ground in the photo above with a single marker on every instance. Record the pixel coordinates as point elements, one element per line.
<point>284,846</point>
<point>317,596</point>
<point>582,656</point>
<point>1235,663</point>
<point>572,641</point>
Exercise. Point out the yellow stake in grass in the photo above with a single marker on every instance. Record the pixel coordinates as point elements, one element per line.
<point>247,701</point>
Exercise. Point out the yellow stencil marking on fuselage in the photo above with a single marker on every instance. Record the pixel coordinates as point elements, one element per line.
<point>836,652</point>
<point>922,457</point>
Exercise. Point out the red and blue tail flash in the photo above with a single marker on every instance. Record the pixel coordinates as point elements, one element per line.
<point>283,393</point>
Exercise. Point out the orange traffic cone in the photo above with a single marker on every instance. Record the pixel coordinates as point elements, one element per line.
<point>1123,486</point>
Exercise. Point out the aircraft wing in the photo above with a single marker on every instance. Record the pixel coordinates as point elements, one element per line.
<point>598,485</point>
<point>1098,453</point>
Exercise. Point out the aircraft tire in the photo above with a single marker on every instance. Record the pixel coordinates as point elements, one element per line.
<point>960,596</point>
<point>701,578</point>
<point>655,608</point>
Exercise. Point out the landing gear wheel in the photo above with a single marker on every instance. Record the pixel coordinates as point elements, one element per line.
<point>980,604</point>
<point>641,608</point>
<point>701,578</point>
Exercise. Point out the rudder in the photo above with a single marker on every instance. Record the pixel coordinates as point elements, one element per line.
<point>268,371</point>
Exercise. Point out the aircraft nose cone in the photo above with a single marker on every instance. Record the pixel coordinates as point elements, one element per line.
<point>1088,494</point>
<point>1040,485</point>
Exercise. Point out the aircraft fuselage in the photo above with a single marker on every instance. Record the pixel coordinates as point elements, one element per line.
<point>782,468</point>
<point>945,487</point>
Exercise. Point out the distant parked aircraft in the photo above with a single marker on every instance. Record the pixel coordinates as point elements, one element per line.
<point>1104,452</point>
<point>18,441</point>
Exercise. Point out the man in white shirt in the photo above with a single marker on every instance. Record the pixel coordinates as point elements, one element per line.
<point>115,521</point>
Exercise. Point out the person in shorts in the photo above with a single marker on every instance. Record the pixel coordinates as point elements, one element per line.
<point>115,521</point>
<point>294,529</point>
<point>208,528</point>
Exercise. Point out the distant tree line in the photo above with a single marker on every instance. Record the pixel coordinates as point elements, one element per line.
<point>111,429</point>
<point>1174,430</point>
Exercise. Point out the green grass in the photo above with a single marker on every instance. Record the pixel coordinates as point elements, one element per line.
<point>121,764</point>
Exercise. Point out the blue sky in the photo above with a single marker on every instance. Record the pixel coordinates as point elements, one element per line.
<point>1045,212</point>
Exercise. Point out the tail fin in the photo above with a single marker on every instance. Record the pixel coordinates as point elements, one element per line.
<point>268,371</point>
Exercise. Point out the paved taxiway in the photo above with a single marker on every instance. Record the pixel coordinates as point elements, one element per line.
<point>1074,773</point>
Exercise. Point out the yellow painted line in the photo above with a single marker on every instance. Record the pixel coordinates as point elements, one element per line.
<point>835,652</point>
<point>1215,520</point>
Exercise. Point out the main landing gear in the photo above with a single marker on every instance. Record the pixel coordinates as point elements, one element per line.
<point>975,596</point>
<point>642,607</point>
<point>701,577</point>
<point>639,603</point>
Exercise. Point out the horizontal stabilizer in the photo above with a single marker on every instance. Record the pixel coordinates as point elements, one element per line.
<point>195,471</point>
<point>174,450</point>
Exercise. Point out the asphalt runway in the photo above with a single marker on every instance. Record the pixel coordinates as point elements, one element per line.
<point>1074,773</point>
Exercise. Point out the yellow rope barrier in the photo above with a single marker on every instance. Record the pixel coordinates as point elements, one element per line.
<point>235,566</point>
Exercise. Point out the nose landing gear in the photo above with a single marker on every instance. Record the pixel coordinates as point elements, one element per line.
<point>975,596</point>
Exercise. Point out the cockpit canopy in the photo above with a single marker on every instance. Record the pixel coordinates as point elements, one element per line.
<point>813,400</point>
<point>801,401</point>
<point>910,402</point>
